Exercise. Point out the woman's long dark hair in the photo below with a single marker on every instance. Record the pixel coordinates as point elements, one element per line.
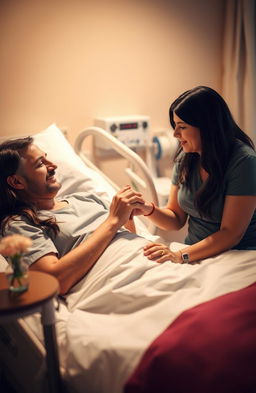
<point>11,206</point>
<point>204,108</point>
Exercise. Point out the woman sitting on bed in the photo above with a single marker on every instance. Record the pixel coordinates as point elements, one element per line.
<point>213,183</point>
<point>68,235</point>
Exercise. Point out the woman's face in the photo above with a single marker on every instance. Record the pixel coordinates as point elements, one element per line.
<point>188,136</point>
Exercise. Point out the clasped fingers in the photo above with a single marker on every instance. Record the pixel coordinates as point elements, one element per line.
<point>127,195</point>
<point>124,202</point>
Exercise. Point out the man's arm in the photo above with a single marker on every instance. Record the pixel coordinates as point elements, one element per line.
<point>70,268</point>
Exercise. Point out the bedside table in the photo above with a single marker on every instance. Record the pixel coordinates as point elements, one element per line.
<point>38,298</point>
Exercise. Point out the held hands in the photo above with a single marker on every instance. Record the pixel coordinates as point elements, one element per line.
<point>124,203</point>
<point>161,253</point>
<point>145,209</point>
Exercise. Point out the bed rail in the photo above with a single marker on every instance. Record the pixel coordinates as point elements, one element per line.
<point>136,164</point>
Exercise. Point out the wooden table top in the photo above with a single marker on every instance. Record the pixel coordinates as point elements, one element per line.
<point>42,287</point>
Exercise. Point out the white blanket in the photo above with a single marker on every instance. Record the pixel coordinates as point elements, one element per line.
<point>126,301</point>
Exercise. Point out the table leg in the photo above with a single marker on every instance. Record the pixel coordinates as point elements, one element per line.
<point>52,356</point>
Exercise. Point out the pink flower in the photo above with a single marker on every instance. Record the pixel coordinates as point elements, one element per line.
<point>14,244</point>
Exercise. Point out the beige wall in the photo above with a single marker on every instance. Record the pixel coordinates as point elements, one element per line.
<point>70,61</point>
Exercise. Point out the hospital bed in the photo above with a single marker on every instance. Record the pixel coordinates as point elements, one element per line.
<point>134,326</point>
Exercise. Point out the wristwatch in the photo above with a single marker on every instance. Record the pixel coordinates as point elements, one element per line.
<point>185,257</point>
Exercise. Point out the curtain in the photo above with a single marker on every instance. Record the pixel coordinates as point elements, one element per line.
<point>239,63</point>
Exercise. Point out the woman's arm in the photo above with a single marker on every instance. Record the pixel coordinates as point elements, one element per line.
<point>237,214</point>
<point>70,268</point>
<point>171,217</point>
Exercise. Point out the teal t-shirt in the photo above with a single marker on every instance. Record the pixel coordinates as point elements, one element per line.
<point>240,179</point>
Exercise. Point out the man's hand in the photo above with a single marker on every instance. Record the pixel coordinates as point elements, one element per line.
<point>123,204</point>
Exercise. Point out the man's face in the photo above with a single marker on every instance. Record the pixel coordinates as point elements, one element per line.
<point>37,175</point>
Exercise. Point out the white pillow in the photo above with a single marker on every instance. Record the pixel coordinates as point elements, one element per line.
<point>72,172</point>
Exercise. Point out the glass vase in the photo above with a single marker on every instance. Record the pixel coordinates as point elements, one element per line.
<point>17,275</point>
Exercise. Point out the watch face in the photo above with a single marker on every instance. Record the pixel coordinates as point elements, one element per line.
<point>185,258</point>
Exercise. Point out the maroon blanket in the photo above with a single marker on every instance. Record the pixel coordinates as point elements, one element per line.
<point>210,348</point>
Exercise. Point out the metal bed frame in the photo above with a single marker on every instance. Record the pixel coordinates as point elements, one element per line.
<point>137,171</point>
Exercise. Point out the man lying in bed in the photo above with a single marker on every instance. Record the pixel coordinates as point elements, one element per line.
<point>70,234</point>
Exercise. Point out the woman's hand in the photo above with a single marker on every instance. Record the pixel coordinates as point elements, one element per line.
<point>123,204</point>
<point>144,209</point>
<point>161,253</point>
